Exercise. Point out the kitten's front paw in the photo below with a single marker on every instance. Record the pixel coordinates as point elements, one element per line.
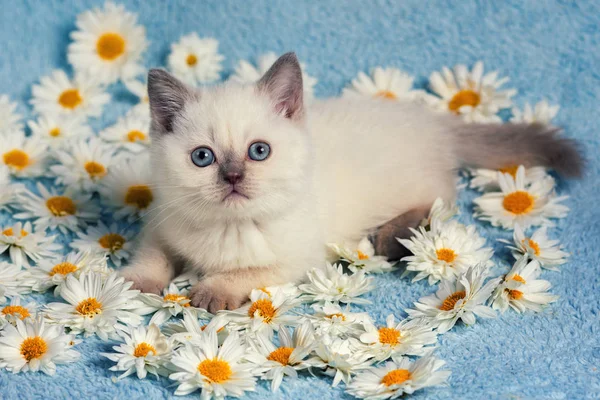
<point>144,284</point>
<point>214,294</point>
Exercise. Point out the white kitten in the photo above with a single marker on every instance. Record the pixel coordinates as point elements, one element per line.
<point>251,186</point>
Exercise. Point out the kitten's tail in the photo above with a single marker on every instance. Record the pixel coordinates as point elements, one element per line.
<point>496,146</point>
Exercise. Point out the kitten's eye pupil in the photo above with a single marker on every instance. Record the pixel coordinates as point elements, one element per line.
<point>203,157</point>
<point>259,151</point>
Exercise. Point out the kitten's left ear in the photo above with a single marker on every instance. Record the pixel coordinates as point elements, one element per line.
<point>167,96</point>
<point>283,83</point>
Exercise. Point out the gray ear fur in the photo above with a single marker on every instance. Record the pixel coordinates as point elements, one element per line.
<point>283,83</point>
<point>167,96</point>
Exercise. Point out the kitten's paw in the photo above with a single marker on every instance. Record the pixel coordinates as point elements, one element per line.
<point>144,284</point>
<point>214,294</point>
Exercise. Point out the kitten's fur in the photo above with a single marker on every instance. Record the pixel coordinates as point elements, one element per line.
<point>338,170</point>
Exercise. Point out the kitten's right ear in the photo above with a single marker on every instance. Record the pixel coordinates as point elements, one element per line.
<point>167,96</point>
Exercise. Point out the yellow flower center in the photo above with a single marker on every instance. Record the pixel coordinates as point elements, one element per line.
<point>396,377</point>
<point>465,97</point>
<point>450,301</point>
<point>386,94</point>
<point>134,136</point>
<point>519,202</point>
<point>54,132</point>
<point>511,169</point>
<point>61,206</point>
<point>176,298</point>
<point>215,370</point>
<point>33,347</point>
<point>16,159</point>
<point>139,196</point>
<point>191,60</point>
<point>281,355</point>
<point>70,99</point>
<point>534,245</point>
<point>518,278</point>
<point>11,232</point>
<point>110,46</point>
<point>94,169</point>
<point>112,242</point>
<point>89,307</point>
<point>389,336</point>
<point>142,350</point>
<point>339,315</point>
<point>265,309</point>
<point>515,294</point>
<point>447,255</point>
<point>361,255</point>
<point>13,310</point>
<point>63,268</point>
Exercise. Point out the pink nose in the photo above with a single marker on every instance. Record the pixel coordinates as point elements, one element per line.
<point>233,177</point>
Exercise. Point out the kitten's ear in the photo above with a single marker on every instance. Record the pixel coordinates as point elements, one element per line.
<point>283,83</point>
<point>167,96</point>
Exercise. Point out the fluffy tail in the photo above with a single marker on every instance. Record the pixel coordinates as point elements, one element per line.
<point>496,146</point>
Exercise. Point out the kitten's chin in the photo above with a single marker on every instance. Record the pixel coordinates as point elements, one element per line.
<point>235,199</point>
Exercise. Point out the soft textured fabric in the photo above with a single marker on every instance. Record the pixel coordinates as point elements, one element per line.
<point>549,49</point>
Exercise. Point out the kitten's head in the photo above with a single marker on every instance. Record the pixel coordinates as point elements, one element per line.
<point>231,151</point>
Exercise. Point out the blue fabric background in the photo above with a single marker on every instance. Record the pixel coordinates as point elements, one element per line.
<point>548,48</point>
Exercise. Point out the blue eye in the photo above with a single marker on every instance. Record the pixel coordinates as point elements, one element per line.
<point>203,157</point>
<point>259,151</point>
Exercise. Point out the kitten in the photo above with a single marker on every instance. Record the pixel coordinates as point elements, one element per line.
<point>251,184</point>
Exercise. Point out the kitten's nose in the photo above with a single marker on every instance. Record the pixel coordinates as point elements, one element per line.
<point>233,177</point>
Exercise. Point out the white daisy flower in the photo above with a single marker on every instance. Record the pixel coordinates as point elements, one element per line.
<point>145,350</point>
<point>333,320</point>
<point>441,212</point>
<point>13,281</point>
<point>130,133</point>
<point>461,299</point>
<point>9,119</point>
<point>218,371</point>
<point>35,346</point>
<point>470,93</point>
<point>246,73</point>
<point>65,211</point>
<point>186,279</point>
<point>108,44</point>
<point>407,337</point>
<point>58,95</point>
<point>542,113</point>
<point>195,60</point>
<point>384,83</point>
<point>445,253</point>
<point>398,377</point>
<point>332,284</point>
<point>127,187</point>
<point>54,271</point>
<point>23,244</point>
<point>140,90</point>
<point>115,243</point>
<point>487,179</point>
<point>289,290</point>
<point>518,203</point>
<point>96,305</point>
<point>522,290</point>
<point>83,164</point>
<point>170,304</point>
<point>362,258</point>
<point>189,329</point>
<point>25,157</point>
<point>13,311</point>
<point>9,191</point>
<point>56,130</point>
<point>538,247</point>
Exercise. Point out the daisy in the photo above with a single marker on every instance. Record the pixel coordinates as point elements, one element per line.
<point>57,130</point>
<point>218,371</point>
<point>25,157</point>
<point>333,320</point>
<point>23,244</point>
<point>470,93</point>
<point>195,60</point>
<point>35,346</point>
<point>288,357</point>
<point>130,133</point>
<point>110,241</point>
<point>127,187</point>
<point>441,212</point>
<point>170,304</point>
<point>140,90</point>
<point>385,83</point>
<point>186,279</point>
<point>289,290</point>
<point>461,299</point>
<point>487,179</point>
<point>54,271</point>
<point>407,337</point>
<point>9,190</point>
<point>542,113</point>
<point>65,211</point>
<point>10,313</point>
<point>398,377</point>
<point>9,119</point>
<point>445,253</point>
<point>96,305</point>
<point>332,284</point>
<point>145,350</point>
<point>58,95</point>
<point>538,247</point>
<point>521,290</point>
<point>246,73</point>
<point>362,258</point>
<point>189,329</point>
<point>108,44</point>
<point>13,281</point>
<point>520,204</point>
